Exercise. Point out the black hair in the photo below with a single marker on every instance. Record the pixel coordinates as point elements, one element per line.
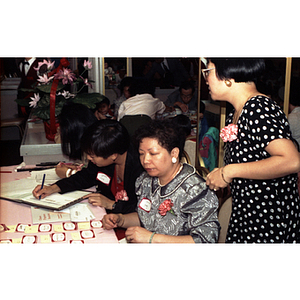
<point>105,138</point>
<point>105,100</point>
<point>239,69</point>
<point>295,91</point>
<point>183,122</point>
<point>141,85</point>
<point>202,107</point>
<point>73,120</point>
<point>126,81</point>
<point>186,85</point>
<point>168,134</point>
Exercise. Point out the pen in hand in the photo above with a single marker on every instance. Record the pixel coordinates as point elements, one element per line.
<point>42,184</point>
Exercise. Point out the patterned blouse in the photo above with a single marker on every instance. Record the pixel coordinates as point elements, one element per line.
<point>194,206</point>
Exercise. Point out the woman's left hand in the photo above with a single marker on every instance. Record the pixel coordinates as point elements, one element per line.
<point>137,234</point>
<point>98,199</point>
<point>214,180</point>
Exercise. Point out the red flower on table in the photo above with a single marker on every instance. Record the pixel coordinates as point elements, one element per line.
<point>121,195</point>
<point>229,133</point>
<point>165,207</point>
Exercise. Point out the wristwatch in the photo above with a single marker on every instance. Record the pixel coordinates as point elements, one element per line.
<point>114,205</point>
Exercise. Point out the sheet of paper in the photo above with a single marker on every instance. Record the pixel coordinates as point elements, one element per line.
<point>81,213</point>
<point>42,216</point>
<point>50,178</point>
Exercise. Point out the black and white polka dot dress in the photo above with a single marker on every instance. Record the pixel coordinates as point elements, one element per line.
<point>263,211</point>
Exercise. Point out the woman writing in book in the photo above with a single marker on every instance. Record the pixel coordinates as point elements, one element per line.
<point>174,203</point>
<point>113,167</point>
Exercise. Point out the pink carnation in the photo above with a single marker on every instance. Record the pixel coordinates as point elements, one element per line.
<point>122,195</point>
<point>165,207</point>
<point>229,133</point>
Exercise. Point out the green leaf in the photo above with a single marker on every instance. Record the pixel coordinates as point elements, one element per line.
<point>47,87</point>
<point>23,102</point>
<point>89,99</point>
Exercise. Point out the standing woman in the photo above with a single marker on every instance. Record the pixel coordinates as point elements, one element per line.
<point>261,161</point>
<point>174,203</point>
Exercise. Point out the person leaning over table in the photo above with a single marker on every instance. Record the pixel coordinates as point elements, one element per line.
<point>174,203</point>
<point>113,167</point>
<point>261,160</point>
<point>73,120</point>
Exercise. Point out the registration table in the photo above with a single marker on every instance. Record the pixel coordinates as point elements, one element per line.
<point>16,224</point>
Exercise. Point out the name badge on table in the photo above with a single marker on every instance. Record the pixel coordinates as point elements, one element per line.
<point>103,178</point>
<point>145,204</point>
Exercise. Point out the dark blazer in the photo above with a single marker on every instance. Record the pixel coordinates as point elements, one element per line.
<point>87,178</point>
<point>176,68</point>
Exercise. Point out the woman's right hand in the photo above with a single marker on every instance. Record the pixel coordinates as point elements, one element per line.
<point>46,191</point>
<point>111,221</point>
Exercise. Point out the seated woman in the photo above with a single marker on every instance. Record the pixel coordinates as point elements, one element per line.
<point>73,120</point>
<point>174,203</point>
<point>113,166</point>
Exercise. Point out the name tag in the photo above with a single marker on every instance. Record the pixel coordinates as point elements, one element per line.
<point>103,178</point>
<point>145,204</point>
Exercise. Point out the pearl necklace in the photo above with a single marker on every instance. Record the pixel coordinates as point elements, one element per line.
<point>161,185</point>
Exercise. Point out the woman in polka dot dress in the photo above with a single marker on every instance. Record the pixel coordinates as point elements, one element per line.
<point>261,160</point>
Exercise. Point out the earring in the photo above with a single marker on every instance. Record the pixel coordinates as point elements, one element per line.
<point>228,83</point>
<point>174,160</point>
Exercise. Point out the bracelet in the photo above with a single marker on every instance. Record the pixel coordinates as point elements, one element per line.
<point>151,237</point>
<point>223,176</point>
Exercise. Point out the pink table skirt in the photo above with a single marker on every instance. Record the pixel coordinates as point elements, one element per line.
<point>13,214</point>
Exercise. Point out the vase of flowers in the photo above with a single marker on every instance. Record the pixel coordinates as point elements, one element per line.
<point>56,87</point>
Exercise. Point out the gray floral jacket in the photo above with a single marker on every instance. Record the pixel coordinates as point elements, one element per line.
<point>194,210</point>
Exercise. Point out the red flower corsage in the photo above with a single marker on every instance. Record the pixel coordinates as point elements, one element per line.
<point>229,133</point>
<point>121,195</point>
<point>165,207</point>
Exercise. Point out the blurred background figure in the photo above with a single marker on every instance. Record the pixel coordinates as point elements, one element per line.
<point>185,98</point>
<point>294,109</point>
<point>103,110</point>
<point>167,72</point>
<point>124,94</point>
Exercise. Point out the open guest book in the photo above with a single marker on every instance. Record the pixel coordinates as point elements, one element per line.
<point>21,191</point>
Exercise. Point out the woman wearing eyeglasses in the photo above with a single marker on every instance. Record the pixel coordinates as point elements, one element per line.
<point>260,161</point>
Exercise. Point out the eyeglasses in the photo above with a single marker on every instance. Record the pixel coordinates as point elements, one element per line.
<point>206,72</point>
<point>186,96</point>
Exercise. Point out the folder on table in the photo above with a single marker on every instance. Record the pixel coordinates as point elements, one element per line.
<point>21,191</point>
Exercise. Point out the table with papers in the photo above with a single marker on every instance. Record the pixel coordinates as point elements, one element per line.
<point>25,224</point>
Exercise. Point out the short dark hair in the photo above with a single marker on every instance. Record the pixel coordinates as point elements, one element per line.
<point>168,134</point>
<point>73,120</point>
<point>295,91</point>
<point>105,138</point>
<point>126,81</point>
<point>141,85</point>
<point>105,100</point>
<point>186,85</point>
<point>239,69</point>
<point>184,122</point>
